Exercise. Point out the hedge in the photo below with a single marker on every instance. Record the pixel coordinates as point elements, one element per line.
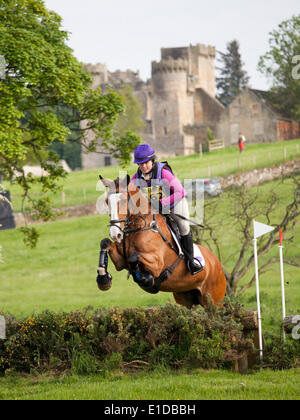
<point>101,340</point>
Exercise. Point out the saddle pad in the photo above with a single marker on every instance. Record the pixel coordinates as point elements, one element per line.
<point>197,253</point>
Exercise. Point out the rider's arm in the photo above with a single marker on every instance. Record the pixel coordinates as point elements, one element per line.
<point>176,189</point>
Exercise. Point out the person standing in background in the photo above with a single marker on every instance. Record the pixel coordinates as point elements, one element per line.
<point>241,142</point>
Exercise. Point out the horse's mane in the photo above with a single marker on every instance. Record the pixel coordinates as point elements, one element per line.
<point>137,194</point>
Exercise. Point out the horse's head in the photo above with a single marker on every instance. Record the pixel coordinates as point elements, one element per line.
<point>124,199</point>
<point>117,201</point>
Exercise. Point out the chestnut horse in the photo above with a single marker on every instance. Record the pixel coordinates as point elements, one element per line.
<point>143,245</point>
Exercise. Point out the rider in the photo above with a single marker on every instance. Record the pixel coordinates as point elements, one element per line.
<point>166,195</point>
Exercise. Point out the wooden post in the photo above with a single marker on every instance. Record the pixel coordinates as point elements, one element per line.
<point>200,150</point>
<point>248,358</point>
<point>284,153</point>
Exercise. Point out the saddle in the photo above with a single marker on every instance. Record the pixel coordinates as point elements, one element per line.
<point>173,227</point>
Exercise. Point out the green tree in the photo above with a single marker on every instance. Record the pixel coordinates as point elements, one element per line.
<point>131,120</point>
<point>282,64</point>
<point>70,151</point>
<point>232,78</point>
<point>40,75</point>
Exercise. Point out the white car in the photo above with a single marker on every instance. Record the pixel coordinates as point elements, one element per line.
<point>210,186</point>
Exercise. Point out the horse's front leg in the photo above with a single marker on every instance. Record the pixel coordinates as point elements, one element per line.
<point>104,279</point>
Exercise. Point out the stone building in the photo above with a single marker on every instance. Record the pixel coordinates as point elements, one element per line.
<point>179,105</point>
<point>103,78</point>
<point>251,114</point>
<point>179,100</point>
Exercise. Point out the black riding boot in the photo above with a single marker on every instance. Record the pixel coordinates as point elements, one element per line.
<point>193,264</point>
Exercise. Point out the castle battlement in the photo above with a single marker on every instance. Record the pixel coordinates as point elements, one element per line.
<point>179,94</point>
<point>205,50</point>
<point>169,65</point>
<point>98,68</point>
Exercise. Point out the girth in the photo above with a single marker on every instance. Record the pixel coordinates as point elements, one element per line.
<point>166,274</point>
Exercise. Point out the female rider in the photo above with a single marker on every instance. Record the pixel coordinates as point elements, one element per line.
<point>166,195</point>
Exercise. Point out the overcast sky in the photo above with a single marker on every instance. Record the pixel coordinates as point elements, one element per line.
<point>128,34</point>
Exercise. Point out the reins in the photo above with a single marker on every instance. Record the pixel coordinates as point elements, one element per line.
<point>154,227</point>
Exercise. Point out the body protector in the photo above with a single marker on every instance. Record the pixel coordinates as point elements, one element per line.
<point>154,189</point>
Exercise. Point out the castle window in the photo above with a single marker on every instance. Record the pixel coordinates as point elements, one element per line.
<point>165,112</point>
<point>165,131</point>
<point>107,161</point>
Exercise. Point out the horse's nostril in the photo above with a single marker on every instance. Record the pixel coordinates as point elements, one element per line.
<point>119,236</point>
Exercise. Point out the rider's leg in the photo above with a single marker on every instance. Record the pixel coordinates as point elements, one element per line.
<point>187,243</point>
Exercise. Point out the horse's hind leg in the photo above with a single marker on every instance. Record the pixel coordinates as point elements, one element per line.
<point>188,299</point>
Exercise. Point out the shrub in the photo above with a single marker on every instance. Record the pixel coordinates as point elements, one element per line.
<point>108,339</point>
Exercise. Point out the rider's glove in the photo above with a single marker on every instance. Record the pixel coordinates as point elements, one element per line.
<point>156,206</point>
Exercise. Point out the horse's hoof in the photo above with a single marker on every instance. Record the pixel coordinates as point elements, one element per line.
<point>104,282</point>
<point>105,243</point>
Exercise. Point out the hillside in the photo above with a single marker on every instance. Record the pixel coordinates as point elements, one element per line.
<point>81,187</point>
<point>60,274</point>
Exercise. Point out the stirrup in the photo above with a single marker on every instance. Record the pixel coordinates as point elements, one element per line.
<point>196,268</point>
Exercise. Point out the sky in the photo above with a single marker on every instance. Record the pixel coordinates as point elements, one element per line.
<point>128,34</point>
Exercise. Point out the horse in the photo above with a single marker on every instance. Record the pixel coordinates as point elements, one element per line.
<point>143,245</point>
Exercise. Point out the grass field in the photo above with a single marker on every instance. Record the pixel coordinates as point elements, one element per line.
<point>60,275</point>
<point>81,187</point>
<point>158,385</point>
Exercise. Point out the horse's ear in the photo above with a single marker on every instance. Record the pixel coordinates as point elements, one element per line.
<point>123,183</point>
<point>107,182</point>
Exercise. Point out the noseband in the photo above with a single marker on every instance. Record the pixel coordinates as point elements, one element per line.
<point>126,231</point>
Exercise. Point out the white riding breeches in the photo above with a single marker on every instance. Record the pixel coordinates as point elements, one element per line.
<point>182,208</point>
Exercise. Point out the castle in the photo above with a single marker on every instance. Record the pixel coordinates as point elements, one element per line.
<point>179,106</point>
<point>178,101</point>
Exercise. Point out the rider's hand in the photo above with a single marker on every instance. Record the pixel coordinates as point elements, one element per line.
<point>156,205</point>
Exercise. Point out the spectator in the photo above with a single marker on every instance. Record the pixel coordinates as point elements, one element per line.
<point>241,142</point>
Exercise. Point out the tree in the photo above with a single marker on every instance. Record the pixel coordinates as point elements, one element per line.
<point>42,76</point>
<point>233,78</point>
<point>131,120</point>
<point>230,233</point>
<point>282,65</point>
<point>70,151</point>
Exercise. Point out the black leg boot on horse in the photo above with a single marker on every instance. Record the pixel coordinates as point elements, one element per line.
<point>104,278</point>
<point>143,279</point>
<point>193,264</point>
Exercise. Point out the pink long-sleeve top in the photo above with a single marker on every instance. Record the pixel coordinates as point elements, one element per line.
<point>173,185</point>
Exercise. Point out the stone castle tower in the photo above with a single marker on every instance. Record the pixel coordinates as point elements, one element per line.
<point>175,79</point>
<point>178,101</point>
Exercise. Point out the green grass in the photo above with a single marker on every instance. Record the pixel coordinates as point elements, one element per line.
<point>60,275</point>
<point>158,385</point>
<point>81,187</point>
